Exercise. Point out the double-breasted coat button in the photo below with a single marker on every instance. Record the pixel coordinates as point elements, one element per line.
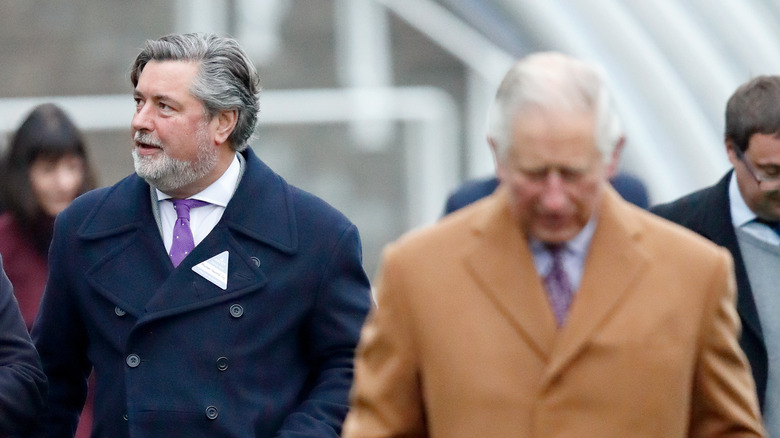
<point>124,416</point>
<point>119,311</point>
<point>133,360</point>
<point>222,363</point>
<point>212,413</point>
<point>236,310</point>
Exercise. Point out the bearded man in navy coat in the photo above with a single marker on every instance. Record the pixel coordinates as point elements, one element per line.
<point>252,334</point>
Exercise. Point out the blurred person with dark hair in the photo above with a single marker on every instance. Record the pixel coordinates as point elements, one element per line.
<point>22,381</point>
<point>742,213</point>
<point>44,168</point>
<point>553,307</point>
<point>210,297</point>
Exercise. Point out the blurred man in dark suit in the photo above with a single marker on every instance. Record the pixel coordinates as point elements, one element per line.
<point>741,213</point>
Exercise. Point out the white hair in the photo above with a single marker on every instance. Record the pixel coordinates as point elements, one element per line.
<point>553,81</point>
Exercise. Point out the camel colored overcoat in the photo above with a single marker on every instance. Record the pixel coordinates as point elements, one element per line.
<point>463,342</point>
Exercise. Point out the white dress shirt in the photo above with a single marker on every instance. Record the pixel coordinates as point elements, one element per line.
<point>743,217</point>
<point>575,252</point>
<point>202,219</point>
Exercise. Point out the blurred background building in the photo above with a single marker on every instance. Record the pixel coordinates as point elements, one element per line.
<point>379,106</point>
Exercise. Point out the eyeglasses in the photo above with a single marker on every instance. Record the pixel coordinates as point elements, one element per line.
<point>763,180</point>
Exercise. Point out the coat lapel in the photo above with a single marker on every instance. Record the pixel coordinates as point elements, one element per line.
<point>185,290</point>
<point>501,262</point>
<point>614,261</point>
<point>260,212</point>
<point>134,260</point>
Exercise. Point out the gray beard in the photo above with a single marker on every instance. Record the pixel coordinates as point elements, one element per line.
<point>168,174</point>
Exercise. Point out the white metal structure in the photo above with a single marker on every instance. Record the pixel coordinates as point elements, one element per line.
<point>672,64</point>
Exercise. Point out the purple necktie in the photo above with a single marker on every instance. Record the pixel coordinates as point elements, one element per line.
<point>183,242</point>
<point>559,290</point>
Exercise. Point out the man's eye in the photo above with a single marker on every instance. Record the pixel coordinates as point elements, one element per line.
<point>536,174</point>
<point>771,171</point>
<point>571,174</point>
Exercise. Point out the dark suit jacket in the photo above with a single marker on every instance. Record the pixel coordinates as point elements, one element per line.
<point>630,188</point>
<point>469,192</point>
<point>708,213</point>
<point>27,269</point>
<point>22,382</point>
<point>176,355</point>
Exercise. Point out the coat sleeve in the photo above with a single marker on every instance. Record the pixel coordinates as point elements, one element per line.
<point>342,302</point>
<point>386,400</point>
<point>22,381</point>
<point>60,338</point>
<point>724,402</point>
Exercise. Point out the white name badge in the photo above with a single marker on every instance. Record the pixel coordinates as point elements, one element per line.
<point>214,269</point>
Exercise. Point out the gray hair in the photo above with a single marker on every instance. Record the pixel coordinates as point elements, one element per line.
<point>553,81</point>
<point>227,80</point>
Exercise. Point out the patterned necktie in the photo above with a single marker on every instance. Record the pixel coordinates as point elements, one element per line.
<point>559,290</point>
<point>183,242</point>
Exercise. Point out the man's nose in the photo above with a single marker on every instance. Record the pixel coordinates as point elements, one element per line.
<point>142,119</point>
<point>554,191</point>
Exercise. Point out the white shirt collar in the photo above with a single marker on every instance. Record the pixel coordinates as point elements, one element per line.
<point>743,218</point>
<point>741,214</point>
<point>575,252</point>
<point>578,246</point>
<point>220,191</point>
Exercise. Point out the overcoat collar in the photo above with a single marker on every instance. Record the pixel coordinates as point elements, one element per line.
<point>137,274</point>
<point>501,261</point>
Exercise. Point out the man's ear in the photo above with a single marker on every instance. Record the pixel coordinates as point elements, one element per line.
<point>614,160</point>
<point>226,122</point>
<point>494,152</point>
<point>731,151</point>
<point>492,145</point>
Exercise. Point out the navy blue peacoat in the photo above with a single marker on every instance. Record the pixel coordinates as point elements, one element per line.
<point>176,355</point>
<point>22,382</point>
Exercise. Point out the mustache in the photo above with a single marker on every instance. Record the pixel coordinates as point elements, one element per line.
<point>146,138</point>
